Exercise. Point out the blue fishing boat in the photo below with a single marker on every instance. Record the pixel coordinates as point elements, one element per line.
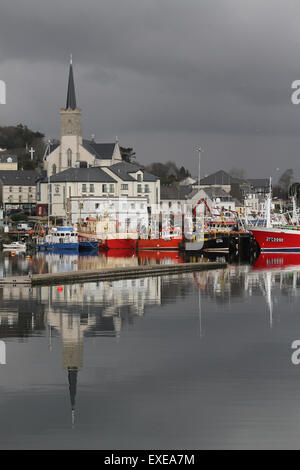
<point>59,239</point>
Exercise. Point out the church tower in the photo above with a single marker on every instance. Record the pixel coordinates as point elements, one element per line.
<point>71,128</point>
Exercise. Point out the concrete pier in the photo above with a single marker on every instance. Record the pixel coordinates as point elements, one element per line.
<point>110,274</point>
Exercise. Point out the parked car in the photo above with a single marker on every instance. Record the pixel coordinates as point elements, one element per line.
<point>23,227</point>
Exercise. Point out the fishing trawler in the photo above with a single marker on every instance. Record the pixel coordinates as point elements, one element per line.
<point>278,238</point>
<point>59,238</point>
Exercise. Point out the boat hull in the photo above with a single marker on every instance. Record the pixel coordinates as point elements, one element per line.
<point>277,240</point>
<point>58,247</point>
<point>117,244</point>
<point>88,245</point>
<point>159,244</point>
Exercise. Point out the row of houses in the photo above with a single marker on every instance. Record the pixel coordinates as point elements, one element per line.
<point>38,193</point>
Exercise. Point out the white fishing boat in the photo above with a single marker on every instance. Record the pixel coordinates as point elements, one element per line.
<point>14,246</point>
<point>59,238</point>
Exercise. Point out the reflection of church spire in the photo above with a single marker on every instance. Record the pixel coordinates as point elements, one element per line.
<point>72,376</point>
<point>71,96</point>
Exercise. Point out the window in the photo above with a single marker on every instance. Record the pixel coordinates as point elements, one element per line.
<point>124,187</point>
<point>20,198</point>
<point>84,188</point>
<point>56,188</point>
<point>20,189</point>
<point>147,188</point>
<point>139,188</point>
<point>54,169</point>
<point>104,188</point>
<point>97,206</point>
<point>69,157</point>
<point>30,189</point>
<point>92,188</point>
<point>10,189</point>
<point>111,188</point>
<point>139,177</point>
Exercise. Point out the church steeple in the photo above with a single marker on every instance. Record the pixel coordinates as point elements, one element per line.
<point>71,96</point>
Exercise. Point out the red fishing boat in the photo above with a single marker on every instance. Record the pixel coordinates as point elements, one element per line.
<point>159,244</point>
<point>117,244</point>
<point>277,240</point>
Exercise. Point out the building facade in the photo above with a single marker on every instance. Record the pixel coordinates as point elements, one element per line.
<point>18,189</point>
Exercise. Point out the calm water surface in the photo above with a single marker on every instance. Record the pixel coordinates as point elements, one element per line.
<point>188,361</point>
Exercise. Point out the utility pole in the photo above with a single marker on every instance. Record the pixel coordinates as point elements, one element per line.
<point>199,165</point>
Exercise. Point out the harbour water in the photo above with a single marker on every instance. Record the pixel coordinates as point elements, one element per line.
<point>191,361</point>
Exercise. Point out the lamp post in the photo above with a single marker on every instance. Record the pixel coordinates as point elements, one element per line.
<point>199,150</point>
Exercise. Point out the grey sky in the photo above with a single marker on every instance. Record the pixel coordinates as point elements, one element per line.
<point>163,75</point>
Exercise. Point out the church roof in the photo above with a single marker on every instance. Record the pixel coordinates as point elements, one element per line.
<point>71,96</point>
<point>123,170</point>
<point>100,151</point>
<point>90,175</point>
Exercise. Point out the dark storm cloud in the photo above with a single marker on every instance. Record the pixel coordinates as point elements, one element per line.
<point>164,75</point>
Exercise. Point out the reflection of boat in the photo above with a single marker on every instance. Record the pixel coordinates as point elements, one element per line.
<point>278,261</point>
<point>14,246</point>
<point>120,254</point>
<point>59,238</point>
<point>160,255</point>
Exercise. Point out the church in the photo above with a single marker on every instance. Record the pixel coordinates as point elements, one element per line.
<point>80,169</point>
<point>73,150</point>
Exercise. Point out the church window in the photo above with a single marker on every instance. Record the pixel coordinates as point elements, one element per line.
<point>69,157</point>
<point>54,169</point>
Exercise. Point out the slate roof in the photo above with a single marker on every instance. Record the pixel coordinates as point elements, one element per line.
<point>92,174</point>
<point>19,177</point>
<point>122,170</point>
<point>53,147</point>
<point>100,151</point>
<point>259,182</point>
<point>216,192</point>
<point>221,178</point>
<point>172,192</point>
<point>4,157</point>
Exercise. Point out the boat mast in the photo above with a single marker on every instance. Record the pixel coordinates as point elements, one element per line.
<point>268,204</point>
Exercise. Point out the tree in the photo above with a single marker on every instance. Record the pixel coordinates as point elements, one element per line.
<point>237,173</point>
<point>168,172</point>
<point>127,153</point>
<point>18,139</point>
<point>294,190</point>
<point>281,190</point>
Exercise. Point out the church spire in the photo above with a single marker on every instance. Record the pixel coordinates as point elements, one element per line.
<point>72,376</point>
<point>71,97</point>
